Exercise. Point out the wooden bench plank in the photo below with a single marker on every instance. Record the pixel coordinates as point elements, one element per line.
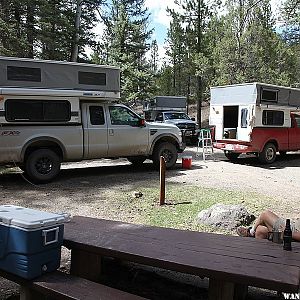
<point>189,252</point>
<point>61,286</point>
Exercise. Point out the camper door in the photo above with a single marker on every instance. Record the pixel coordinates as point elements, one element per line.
<point>245,122</point>
<point>216,119</point>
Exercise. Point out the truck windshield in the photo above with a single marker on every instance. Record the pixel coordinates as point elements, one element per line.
<point>172,116</point>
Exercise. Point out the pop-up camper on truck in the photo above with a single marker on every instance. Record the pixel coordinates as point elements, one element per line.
<point>255,118</point>
<point>53,112</point>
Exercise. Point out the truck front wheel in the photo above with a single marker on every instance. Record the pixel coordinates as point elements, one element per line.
<point>168,151</point>
<point>268,155</point>
<point>42,165</point>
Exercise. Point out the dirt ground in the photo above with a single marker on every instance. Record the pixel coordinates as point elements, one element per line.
<point>78,188</point>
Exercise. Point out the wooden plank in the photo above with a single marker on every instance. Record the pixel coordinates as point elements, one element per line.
<point>220,290</point>
<point>143,244</point>
<point>29,294</point>
<point>223,290</point>
<point>275,254</point>
<point>230,243</point>
<point>259,249</point>
<point>60,286</point>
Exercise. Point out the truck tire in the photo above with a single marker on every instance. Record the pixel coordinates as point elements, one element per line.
<point>232,156</point>
<point>268,155</point>
<point>42,165</point>
<point>168,151</point>
<point>136,160</point>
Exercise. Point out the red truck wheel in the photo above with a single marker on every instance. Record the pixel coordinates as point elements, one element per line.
<point>268,155</point>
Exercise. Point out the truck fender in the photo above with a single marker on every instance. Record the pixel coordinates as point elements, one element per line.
<point>42,142</point>
<point>164,138</point>
<point>272,141</point>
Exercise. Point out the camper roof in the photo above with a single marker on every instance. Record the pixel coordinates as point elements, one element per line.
<point>31,60</point>
<point>60,93</point>
<point>49,74</point>
<point>255,84</point>
<point>255,93</point>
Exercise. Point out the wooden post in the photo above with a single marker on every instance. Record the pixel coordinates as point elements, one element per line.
<point>162,181</point>
<point>86,265</point>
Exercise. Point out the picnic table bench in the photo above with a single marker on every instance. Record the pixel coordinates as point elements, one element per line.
<point>61,286</point>
<point>231,263</point>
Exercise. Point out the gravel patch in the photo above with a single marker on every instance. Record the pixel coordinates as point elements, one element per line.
<point>83,188</point>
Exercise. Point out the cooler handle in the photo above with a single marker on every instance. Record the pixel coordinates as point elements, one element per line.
<point>46,232</point>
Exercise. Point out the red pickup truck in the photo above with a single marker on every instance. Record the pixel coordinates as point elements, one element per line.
<point>255,118</point>
<point>265,142</point>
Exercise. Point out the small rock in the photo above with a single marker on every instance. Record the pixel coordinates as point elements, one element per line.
<point>137,194</point>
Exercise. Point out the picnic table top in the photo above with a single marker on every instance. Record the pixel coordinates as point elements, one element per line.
<point>234,259</point>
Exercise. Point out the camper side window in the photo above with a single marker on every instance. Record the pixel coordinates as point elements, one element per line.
<point>268,95</point>
<point>273,117</point>
<point>23,74</point>
<point>20,110</point>
<point>97,115</point>
<point>91,78</point>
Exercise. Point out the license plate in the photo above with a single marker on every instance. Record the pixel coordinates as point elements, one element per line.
<point>188,133</point>
<point>229,147</point>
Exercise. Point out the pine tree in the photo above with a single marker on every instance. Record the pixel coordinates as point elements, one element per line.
<point>154,56</point>
<point>291,33</point>
<point>188,49</point>
<point>126,43</point>
<point>250,49</point>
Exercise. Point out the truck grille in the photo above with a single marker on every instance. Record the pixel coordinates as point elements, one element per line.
<point>186,126</point>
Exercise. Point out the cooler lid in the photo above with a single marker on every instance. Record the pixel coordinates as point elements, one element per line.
<point>29,218</point>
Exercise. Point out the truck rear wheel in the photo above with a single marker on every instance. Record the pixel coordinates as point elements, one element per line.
<point>42,165</point>
<point>168,151</point>
<point>268,155</point>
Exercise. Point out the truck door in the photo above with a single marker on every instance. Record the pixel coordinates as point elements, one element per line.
<point>294,133</point>
<point>95,130</point>
<point>125,136</point>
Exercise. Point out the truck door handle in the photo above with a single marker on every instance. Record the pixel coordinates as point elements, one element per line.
<point>111,132</point>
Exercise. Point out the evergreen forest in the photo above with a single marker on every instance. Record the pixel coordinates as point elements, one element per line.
<point>208,43</point>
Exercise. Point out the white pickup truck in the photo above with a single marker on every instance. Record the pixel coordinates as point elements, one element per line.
<point>40,128</point>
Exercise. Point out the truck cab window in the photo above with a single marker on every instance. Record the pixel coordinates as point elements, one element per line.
<point>120,115</point>
<point>273,117</point>
<point>297,120</point>
<point>159,118</point>
<point>97,115</point>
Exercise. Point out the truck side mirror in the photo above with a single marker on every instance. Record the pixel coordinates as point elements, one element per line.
<point>141,122</point>
<point>193,119</point>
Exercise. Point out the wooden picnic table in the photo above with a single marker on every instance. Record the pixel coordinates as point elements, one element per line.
<point>231,263</point>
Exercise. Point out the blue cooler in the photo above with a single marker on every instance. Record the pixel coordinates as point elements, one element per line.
<point>30,240</point>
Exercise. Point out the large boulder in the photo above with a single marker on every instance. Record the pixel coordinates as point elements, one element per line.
<point>226,216</point>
